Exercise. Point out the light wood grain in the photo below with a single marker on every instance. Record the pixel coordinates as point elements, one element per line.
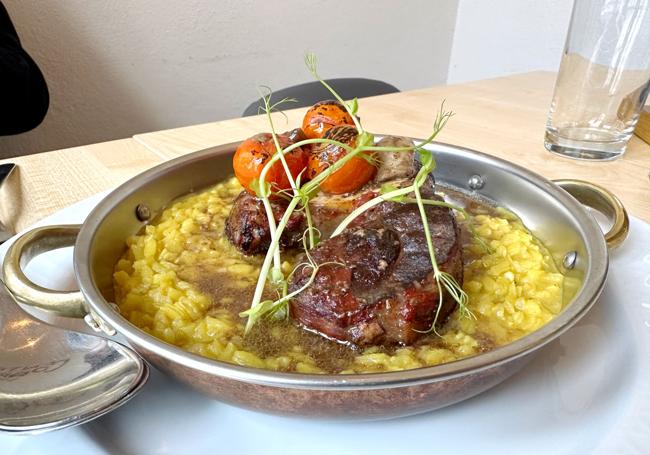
<point>504,117</point>
<point>643,127</point>
<point>46,182</point>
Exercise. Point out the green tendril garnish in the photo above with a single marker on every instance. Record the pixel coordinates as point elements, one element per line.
<point>299,196</point>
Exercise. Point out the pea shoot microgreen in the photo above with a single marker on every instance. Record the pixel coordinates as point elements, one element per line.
<point>300,195</point>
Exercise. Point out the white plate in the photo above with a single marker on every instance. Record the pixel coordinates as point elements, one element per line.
<point>587,392</point>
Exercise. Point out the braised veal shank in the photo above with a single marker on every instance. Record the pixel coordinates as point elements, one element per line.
<point>382,290</point>
<point>375,285</point>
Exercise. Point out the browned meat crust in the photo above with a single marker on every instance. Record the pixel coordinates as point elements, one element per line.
<point>376,285</point>
<point>247,226</point>
<point>384,292</point>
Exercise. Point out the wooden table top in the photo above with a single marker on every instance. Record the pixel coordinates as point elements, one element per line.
<point>504,117</point>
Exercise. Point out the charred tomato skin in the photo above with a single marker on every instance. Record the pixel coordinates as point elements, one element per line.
<point>323,116</point>
<point>254,152</point>
<point>353,175</point>
<point>295,135</point>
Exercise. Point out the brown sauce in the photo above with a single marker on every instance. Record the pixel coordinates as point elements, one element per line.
<point>270,337</point>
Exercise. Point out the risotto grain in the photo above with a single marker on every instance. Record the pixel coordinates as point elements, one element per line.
<point>181,281</point>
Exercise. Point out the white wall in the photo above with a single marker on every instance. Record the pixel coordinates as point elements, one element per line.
<point>120,67</point>
<point>499,37</point>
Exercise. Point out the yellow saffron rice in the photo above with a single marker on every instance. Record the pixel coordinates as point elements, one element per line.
<point>162,286</point>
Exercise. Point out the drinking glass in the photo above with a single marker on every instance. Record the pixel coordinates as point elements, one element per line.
<point>603,81</point>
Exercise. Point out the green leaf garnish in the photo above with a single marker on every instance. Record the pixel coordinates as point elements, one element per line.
<point>353,106</point>
<point>260,189</point>
<point>301,193</point>
<point>277,277</point>
<point>254,314</point>
<point>388,188</point>
<point>365,139</point>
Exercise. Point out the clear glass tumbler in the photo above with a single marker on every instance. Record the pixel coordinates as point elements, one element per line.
<point>603,81</point>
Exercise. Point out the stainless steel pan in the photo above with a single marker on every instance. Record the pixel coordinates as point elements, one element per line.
<point>554,216</point>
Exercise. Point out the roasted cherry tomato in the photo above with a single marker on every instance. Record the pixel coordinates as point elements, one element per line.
<point>252,155</point>
<point>295,135</point>
<point>353,175</point>
<point>322,116</point>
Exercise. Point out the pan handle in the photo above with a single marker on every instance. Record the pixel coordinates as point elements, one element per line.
<point>23,250</point>
<point>605,202</point>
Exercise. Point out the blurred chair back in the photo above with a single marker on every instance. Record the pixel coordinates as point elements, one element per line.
<point>312,92</point>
